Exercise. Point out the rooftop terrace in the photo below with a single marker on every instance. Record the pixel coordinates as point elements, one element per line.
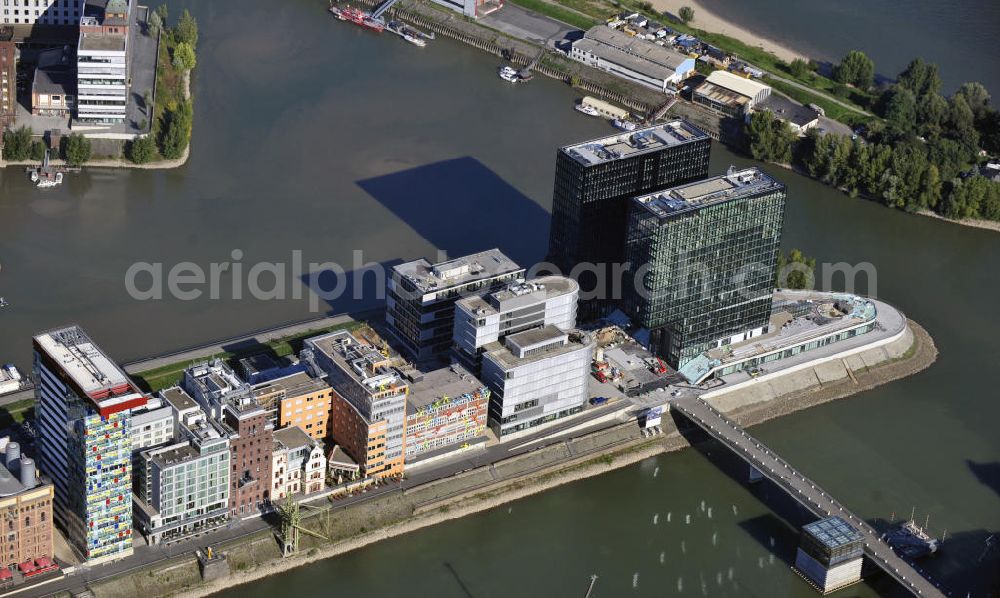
<point>700,194</point>
<point>369,363</point>
<point>520,293</point>
<point>641,141</point>
<point>429,277</point>
<point>534,345</point>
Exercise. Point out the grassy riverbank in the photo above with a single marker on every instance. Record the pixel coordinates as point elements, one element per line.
<point>169,375</point>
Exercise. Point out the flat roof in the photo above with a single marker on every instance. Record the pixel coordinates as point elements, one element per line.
<point>102,42</point>
<point>520,293</point>
<point>694,196</point>
<point>505,357</point>
<point>641,141</point>
<point>361,360</point>
<point>293,437</point>
<point>629,60</point>
<point>174,454</point>
<point>294,385</point>
<point>180,400</point>
<point>832,532</point>
<point>429,277</point>
<point>90,369</point>
<point>741,85</point>
<point>825,314</point>
<point>636,46</point>
<point>452,382</point>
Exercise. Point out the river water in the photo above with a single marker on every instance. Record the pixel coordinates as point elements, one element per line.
<point>312,135</point>
<point>959,35</point>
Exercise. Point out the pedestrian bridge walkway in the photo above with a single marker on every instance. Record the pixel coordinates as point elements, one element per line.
<point>805,491</point>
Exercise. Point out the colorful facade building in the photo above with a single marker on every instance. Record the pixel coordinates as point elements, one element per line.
<point>25,508</point>
<point>447,409</point>
<point>298,400</point>
<point>84,423</point>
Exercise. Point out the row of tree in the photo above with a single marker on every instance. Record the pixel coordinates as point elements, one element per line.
<point>908,175</point>
<point>172,126</point>
<point>19,145</point>
<point>922,156</point>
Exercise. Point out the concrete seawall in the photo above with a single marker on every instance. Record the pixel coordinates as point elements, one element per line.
<point>258,555</point>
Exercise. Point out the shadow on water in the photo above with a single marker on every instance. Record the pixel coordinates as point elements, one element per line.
<point>461,584</point>
<point>461,206</point>
<point>987,473</point>
<point>359,291</point>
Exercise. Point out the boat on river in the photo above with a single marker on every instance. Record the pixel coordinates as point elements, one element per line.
<point>46,175</point>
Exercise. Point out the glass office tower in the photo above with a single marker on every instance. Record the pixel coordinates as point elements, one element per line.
<point>704,257</point>
<point>595,180</point>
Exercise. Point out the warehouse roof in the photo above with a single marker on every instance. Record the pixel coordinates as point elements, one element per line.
<point>740,85</point>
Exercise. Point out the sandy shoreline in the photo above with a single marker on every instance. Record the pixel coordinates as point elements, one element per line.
<point>924,353</point>
<point>709,21</point>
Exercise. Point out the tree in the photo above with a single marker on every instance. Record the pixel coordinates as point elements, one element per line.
<point>17,144</point>
<point>920,77</point>
<point>930,188</point>
<point>77,149</point>
<point>962,123</point>
<point>901,108</point>
<point>142,150</point>
<point>795,270</point>
<point>38,151</point>
<point>771,138</point>
<point>162,12</point>
<point>186,30</point>
<point>686,13</point>
<point>154,23</point>
<point>856,69</point>
<point>178,131</point>
<point>798,68</point>
<point>976,96</point>
<point>184,57</point>
<point>932,113</point>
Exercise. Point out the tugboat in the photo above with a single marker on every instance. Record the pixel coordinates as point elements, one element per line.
<point>362,19</point>
<point>586,109</point>
<point>46,175</point>
<point>508,74</point>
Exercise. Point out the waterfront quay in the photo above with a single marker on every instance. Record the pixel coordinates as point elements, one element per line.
<point>598,430</point>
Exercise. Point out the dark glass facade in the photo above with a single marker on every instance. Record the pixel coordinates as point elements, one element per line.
<point>590,201</point>
<point>705,269</point>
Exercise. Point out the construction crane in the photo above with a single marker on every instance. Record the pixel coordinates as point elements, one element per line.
<point>291,526</point>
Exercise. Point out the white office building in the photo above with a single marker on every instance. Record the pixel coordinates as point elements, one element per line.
<point>536,376</point>
<point>41,12</point>
<point>102,62</point>
<point>479,321</point>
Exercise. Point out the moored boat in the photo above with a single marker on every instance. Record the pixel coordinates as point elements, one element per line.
<point>586,109</point>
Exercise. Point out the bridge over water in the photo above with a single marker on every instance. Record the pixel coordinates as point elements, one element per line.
<point>804,490</point>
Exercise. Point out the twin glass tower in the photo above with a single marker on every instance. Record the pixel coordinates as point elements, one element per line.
<point>637,221</point>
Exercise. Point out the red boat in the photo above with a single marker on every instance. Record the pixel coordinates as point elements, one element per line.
<point>335,11</point>
<point>362,18</point>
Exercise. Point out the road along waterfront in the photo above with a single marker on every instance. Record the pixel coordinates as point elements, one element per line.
<point>485,481</point>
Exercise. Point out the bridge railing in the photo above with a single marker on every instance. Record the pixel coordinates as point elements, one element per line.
<point>874,547</point>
